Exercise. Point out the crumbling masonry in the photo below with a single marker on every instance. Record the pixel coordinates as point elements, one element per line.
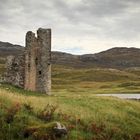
<point>32,69</point>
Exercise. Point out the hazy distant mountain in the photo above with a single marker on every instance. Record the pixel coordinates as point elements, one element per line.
<point>114,58</point>
<point>119,57</point>
<point>9,49</point>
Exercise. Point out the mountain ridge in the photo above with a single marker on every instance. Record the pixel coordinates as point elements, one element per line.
<point>117,57</point>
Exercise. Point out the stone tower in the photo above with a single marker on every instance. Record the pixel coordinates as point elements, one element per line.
<point>31,69</point>
<point>38,61</point>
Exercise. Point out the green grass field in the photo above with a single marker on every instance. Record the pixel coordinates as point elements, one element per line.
<point>95,80</point>
<point>2,69</point>
<point>86,116</point>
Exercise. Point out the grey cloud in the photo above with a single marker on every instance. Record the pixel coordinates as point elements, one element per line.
<point>90,8</point>
<point>107,16</point>
<point>115,19</point>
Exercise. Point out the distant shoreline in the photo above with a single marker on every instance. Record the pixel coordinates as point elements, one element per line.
<point>123,96</point>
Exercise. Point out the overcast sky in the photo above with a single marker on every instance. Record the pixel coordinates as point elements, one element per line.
<point>78,26</point>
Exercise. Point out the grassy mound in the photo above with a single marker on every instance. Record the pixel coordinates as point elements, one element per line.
<point>24,115</point>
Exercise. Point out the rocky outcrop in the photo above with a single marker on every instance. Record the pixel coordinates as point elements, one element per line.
<point>60,130</point>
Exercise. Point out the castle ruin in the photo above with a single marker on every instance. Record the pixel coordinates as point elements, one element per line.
<point>31,70</point>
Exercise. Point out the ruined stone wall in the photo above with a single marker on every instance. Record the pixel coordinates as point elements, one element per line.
<point>32,69</point>
<point>44,60</point>
<point>37,61</point>
<point>15,70</point>
<point>30,64</point>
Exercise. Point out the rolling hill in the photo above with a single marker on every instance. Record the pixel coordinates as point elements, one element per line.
<point>119,57</point>
<point>7,49</point>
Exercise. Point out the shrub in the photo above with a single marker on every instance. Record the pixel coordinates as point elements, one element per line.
<point>11,112</point>
<point>47,114</point>
<point>28,107</point>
